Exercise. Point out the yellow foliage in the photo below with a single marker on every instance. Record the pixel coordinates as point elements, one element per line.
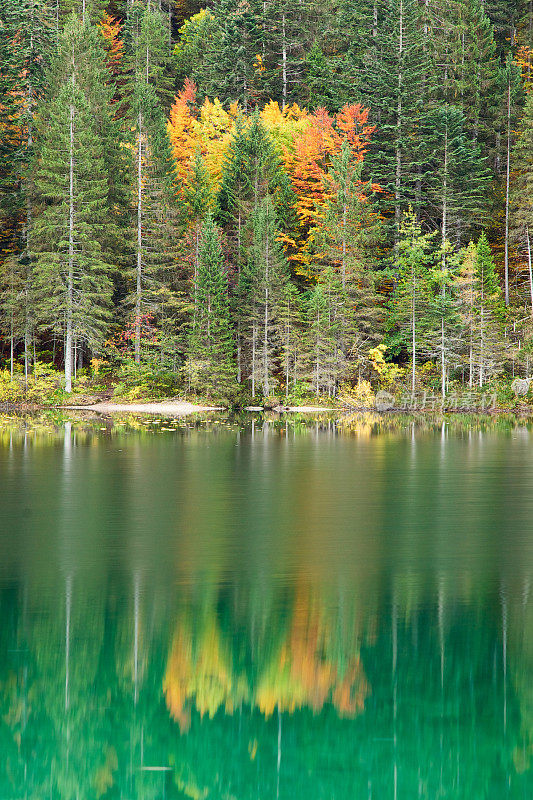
<point>388,373</point>
<point>359,396</point>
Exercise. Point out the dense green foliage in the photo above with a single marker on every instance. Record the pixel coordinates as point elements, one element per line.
<point>304,179</point>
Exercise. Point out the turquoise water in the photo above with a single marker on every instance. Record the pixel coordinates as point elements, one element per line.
<point>235,610</point>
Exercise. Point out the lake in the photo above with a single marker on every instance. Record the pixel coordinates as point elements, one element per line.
<point>243,608</point>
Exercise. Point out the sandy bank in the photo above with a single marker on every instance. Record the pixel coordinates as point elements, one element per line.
<point>171,408</point>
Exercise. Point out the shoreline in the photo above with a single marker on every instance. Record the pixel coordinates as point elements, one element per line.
<point>183,408</point>
<point>180,408</point>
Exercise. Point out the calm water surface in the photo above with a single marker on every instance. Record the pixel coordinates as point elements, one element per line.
<point>233,610</point>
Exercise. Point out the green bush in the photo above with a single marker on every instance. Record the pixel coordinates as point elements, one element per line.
<point>144,380</point>
<point>45,386</point>
<point>11,391</point>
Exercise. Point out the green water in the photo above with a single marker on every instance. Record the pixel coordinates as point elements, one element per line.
<point>233,610</point>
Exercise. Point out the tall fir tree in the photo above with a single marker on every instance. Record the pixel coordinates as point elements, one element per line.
<point>522,191</point>
<point>210,353</point>
<point>411,321</point>
<point>72,265</point>
<point>261,298</point>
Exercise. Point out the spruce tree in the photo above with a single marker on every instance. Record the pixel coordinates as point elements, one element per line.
<point>400,101</point>
<point>72,265</point>
<point>490,357</point>
<point>210,354</point>
<point>292,350</point>
<point>154,233</point>
<point>522,191</point>
<point>325,360</point>
<point>261,298</point>
<point>457,177</point>
<point>479,304</point>
<point>412,324</point>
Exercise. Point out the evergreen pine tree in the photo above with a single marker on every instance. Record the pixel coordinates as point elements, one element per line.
<point>522,191</point>
<point>412,324</point>
<point>210,356</point>
<point>72,266</point>
<point>400,100</point>
<point>479,303</point>
<point>326,333</point>
<point>155,232</point>
<point>261,298</point>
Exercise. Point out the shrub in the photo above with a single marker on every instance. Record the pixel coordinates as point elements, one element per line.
<point>144,380</point>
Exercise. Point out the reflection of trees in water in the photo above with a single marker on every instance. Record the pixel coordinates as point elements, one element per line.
<point>307,692</point>
<point>301,663</point>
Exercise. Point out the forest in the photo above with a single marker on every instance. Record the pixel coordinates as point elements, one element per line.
<point>265,199</point>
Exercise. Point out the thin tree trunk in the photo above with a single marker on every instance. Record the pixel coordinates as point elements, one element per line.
<point>11,349</point>
<point>507,185</point>
<point>284,62</point>
<point>239,344</point>
<point>445,195</point>
<point>344,221</point>
<point>70,282</point>
<point>265,324</point>
<point>287,345</point>
<point>413,328</point>
<point>530,268</point>
<point>443,360</point>
<point>399,112</point>
<point>138,295</point>
<point>26,356</point>
<point>254,334</point>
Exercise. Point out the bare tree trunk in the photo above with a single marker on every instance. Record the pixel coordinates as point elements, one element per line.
<point>399,111</point>
<point>11,349</point>
<point>254,335</point>
<point>482,346</point>
<point>287,346</point>
<point>239,344</point>
<point>443,360</point>
<point>70,280</point>
<point>26,355</point>
<point>138,295</point>
<point>266,385</point>
<point>530,268</point>
<point>284,62</point>
<point>445,195</point>
<point>413,328</point>
<point>507,184</point>
<point>344,221</point>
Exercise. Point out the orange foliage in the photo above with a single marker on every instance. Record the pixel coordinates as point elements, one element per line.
<point>181,131</point>
<point>304,675</point>
<point>309,159</point>
<point>524,58</point>
<point>114,45</point>
<point>207,129</point>
<point>178,676</point>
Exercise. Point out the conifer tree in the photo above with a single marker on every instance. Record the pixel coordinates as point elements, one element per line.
<point>327,333</point>
<point>489,304</point>
<point>27,40</point>
<point>199,200</point>
<point>210,357</point>
<point>261,296</point>
<point>155,232</point>
<point>457,178</point>
<point>522,191</point>
<point>291,325</point>
<point>400,101</point>
<point>411,322</point>
<point>479,304</point>
<point>72,266</point>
